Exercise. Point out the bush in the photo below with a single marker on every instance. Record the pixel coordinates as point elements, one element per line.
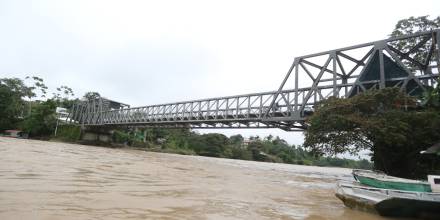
<point>121,137</point>
<point>69,133</point>
<point>242,154</point>
<point>140,144</point>
<point>42,120</point>
<point>179,151</point>
<point>12,105</point>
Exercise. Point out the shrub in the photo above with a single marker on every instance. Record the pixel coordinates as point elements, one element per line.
<point>69,132</point>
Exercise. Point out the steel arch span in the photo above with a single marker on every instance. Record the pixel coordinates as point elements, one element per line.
<point>341,73</point>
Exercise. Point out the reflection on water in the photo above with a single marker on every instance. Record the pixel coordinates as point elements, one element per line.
<point>46,180</point>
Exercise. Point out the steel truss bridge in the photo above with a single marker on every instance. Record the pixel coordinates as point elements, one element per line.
<point>341,73</point>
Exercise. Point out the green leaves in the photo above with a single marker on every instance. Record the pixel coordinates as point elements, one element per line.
<point>409,26</point>
<point>91,96</point>
<point>349,125</point>
<point>34,116</point>
<point>37,83</point>
<point>386,121</point>
<point>12,106</point>
<point>431,97</point>
<point>42,120</point>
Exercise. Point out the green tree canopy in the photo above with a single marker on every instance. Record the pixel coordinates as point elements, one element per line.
<point>91,95</point>
<point>42,120</point>
<point>12,105</point>
<point>386,121</point>
<point>413,25</point>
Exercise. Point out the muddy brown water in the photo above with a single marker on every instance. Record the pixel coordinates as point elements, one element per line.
<point>49,180</point>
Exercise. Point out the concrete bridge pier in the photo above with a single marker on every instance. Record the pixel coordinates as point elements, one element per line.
<point>95,134</point>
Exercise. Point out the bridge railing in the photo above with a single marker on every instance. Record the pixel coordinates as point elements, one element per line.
<point>246,109</point>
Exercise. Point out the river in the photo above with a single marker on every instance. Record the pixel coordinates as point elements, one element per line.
<point>50,180</point>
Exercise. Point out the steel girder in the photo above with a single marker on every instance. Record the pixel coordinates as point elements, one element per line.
<point>339,72</point>
<point>310,79</point>
<point>243,111</point>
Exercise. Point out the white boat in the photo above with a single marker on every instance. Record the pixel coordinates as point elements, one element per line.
<point>388,202</point>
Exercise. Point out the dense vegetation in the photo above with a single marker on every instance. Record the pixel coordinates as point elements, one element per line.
<point>18,109</point>
<point>269,149</point>
<point>386,122</point>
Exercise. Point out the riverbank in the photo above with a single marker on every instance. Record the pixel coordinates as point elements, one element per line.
<point>187,142</point>
<point>52,180</point>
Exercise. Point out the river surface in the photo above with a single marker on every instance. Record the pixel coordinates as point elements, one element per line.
<point>49,180</point>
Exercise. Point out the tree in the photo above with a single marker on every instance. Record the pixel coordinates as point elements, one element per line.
<point>256,148</point>
<point>214,145</point>
<point>92,96</point>
<point>236,139</point>
<point>431,97</point>
<point>63,97</point>
<point>387,122</point>
<point>242,154</point>
<point>63,92</point>
<point>376,121</point>
<point>42,120</point>
<point>12,92</point>
<point>413,25</point>
<point>15,96</point>
<point>37,83</point>
<point>278,141</point>
<point>269,137</point>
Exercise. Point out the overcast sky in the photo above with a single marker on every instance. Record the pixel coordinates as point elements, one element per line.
<point>152,52</point>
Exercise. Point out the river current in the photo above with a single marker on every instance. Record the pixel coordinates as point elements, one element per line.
<point>50,180</point>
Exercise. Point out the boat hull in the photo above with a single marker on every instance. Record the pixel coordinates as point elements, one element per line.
<point>403,207</point>
<point>415,187</point>
<point>390,203</point>
<point>383,181</point>
<point>357,203</point>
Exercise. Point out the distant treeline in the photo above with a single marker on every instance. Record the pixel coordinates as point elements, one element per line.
<point>184,141</point>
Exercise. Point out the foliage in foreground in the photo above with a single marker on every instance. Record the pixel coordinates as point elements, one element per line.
<point>69,133</point>
<point>386,122</point>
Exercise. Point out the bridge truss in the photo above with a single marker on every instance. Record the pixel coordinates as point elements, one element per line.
<point>312,78</point>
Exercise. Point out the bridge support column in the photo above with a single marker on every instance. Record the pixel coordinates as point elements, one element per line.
<point>96,135</point>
